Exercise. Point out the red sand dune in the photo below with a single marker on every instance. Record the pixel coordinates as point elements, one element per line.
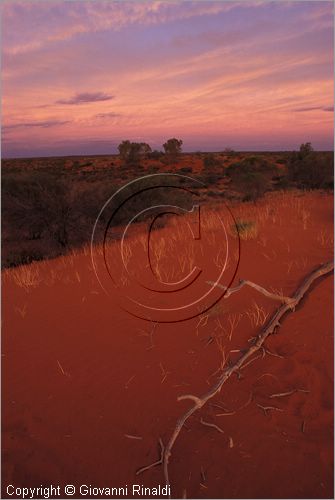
<point>82,377</point>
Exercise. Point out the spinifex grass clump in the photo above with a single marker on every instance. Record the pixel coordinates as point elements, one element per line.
<point>246,230</point>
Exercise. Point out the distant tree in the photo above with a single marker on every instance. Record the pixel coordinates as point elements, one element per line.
<point>228,151</point>
<point>172,147</point>
<point>124,149</point>
<point>305,149</point>
<point>132,152</point>
<point>155,155</point>
<point>144,149</point>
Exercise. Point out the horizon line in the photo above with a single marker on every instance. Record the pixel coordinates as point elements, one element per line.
<point>260,151</point>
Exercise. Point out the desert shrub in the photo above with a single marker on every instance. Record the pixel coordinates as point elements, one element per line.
<point>253,186</point>
<point>155,191</point>
<point>213,194</point>
<point>155,155</point>
<point>251,177</point>
<point>185,170</point>
<point>245,229</point>
<point>281,182</point>
<point>26,252</point>
<point>212,179</point>
<point>309,169</point>
<point>44,215</point>
<point>90,199</point>
<point>21,257</point>
<point>153,169</point>
<point>282,161</point>
<point>37,205</point>
<point>211,161</point>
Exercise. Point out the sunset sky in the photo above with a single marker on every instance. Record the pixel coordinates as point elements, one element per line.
<point>78,76</point>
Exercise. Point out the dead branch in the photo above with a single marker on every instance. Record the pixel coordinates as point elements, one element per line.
<point>251,361</point>
<point>197,401</point>
<point>276,355</point>
<point>159,462</point>
<point>268,408</point>
<point>228,412</point>
<point>209,424</point>
<point>131,436</point>
<point>289,305</point>
<point>260,289</point>
<point>288,393</point>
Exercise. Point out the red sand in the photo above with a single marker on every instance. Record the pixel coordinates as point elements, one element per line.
<point>80,375</point>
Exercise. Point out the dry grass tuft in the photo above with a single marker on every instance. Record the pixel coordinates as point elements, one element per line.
<point>246,230</point>
<point>27,276</point>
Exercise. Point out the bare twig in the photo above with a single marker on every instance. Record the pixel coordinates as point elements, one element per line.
<point>203,476</point>
<point>159,462</point>
<point>276,355</point>
<point>225,414</point>
<point>60,367</point>
<point>130,436</point>
<point>268,408</point>
<point>126,385</point>
<point>165,373</point>
<point>196,400</point>
<point>237,409</point>
<point>251,361</point>
<point>242,283</point>
<point>65,373</point>
<point>209,424</point>
<point>288,393</point>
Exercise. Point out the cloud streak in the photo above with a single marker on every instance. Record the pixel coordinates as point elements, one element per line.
<point>58,23</point>
<point>41,124</point>
<point>110,114</point>
<point>85,98</point>
<point>329,109</point>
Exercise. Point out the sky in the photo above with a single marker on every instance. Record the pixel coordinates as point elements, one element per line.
<point>78,77</point>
